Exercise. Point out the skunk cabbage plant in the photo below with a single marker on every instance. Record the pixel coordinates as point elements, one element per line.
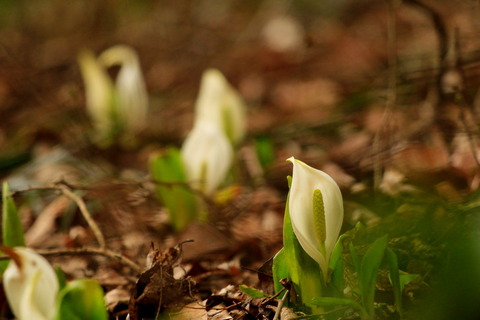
<point>316,212</point>
<point>116,108</point>
<point>219,104</point>
<point>207,156</point>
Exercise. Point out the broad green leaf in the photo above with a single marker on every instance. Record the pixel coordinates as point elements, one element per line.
<point>368,272</point>
<point>12,231</point>
<point>252,292</point>
<point>81,300</point>
<point>394,277</point>
<point>177,198</point>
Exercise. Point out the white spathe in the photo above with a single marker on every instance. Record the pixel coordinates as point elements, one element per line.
<point>207,156</point>
<point>120,104</point>
<point>220,104</point>
<point>130,85</point>
<point>305,181</point>
<point>98,93</point>
<point>31,286</point>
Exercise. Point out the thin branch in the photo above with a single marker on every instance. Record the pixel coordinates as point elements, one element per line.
<point>65,189</point>
<point>391,91</point>
<point>280,306</point>
<point>86,214</point>
<point>86,251</point>
<point>441,31</point>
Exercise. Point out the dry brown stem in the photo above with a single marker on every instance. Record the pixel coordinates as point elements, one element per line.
<point>86,251</point>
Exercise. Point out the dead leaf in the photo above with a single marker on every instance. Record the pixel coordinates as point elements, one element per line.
<point>45,225</point>
<point>157,288</point>
<point>194,310</point>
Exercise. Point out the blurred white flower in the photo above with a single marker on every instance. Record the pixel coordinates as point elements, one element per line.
<point>30,285</point>
<point>207,156</point>
<point>130,85</point>
<point>98,94</point>
<point>220,104</point>
<point>316,211</point>
<point>119,107</point>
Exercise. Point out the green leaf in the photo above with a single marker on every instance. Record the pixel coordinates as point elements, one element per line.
<point>336,265</point>
<point>279,270</point>
<point>177,198</point>
<point>62,282</point>
<point>81,300</point>
<point>265,151</point>
<point>368,272</point>
<point>394,277</point>
<point>252,292</point>
<point>337,252</point>
<point>333,302</point>
<point>12,231</point>
<point>355,257</point>
<point>406,278</point>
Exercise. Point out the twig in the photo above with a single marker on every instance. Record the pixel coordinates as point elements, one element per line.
<point>280,306</point>
<point>86,214</point>
<point>65,189</point>
<point>87,251</point>
<point>391,91</point>
<point>465,102</point>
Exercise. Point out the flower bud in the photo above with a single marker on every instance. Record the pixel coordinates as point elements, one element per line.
<point>316,211</point>
<point>207,156</point>
<point>129,85</point>
<point>220,104</point>
<point>98,95</point>
<point>119,107</point>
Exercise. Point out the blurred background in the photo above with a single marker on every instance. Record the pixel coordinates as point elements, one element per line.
<point>311,71</point>
<point>382,95</point>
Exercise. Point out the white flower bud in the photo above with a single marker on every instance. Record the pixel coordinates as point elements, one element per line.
<point>130,86</point>
<point>207,156</point>
<point>220,104</point>
<point>114,107</point>
<point>98,94</point>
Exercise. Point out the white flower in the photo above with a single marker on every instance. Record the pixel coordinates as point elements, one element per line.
<point>130,86</point>
<point>31,285</point>
<point>316,211</point>
<point>98,94</point>
<point>120,106</point>
<point>207,156</point>
<point>220,104</point>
